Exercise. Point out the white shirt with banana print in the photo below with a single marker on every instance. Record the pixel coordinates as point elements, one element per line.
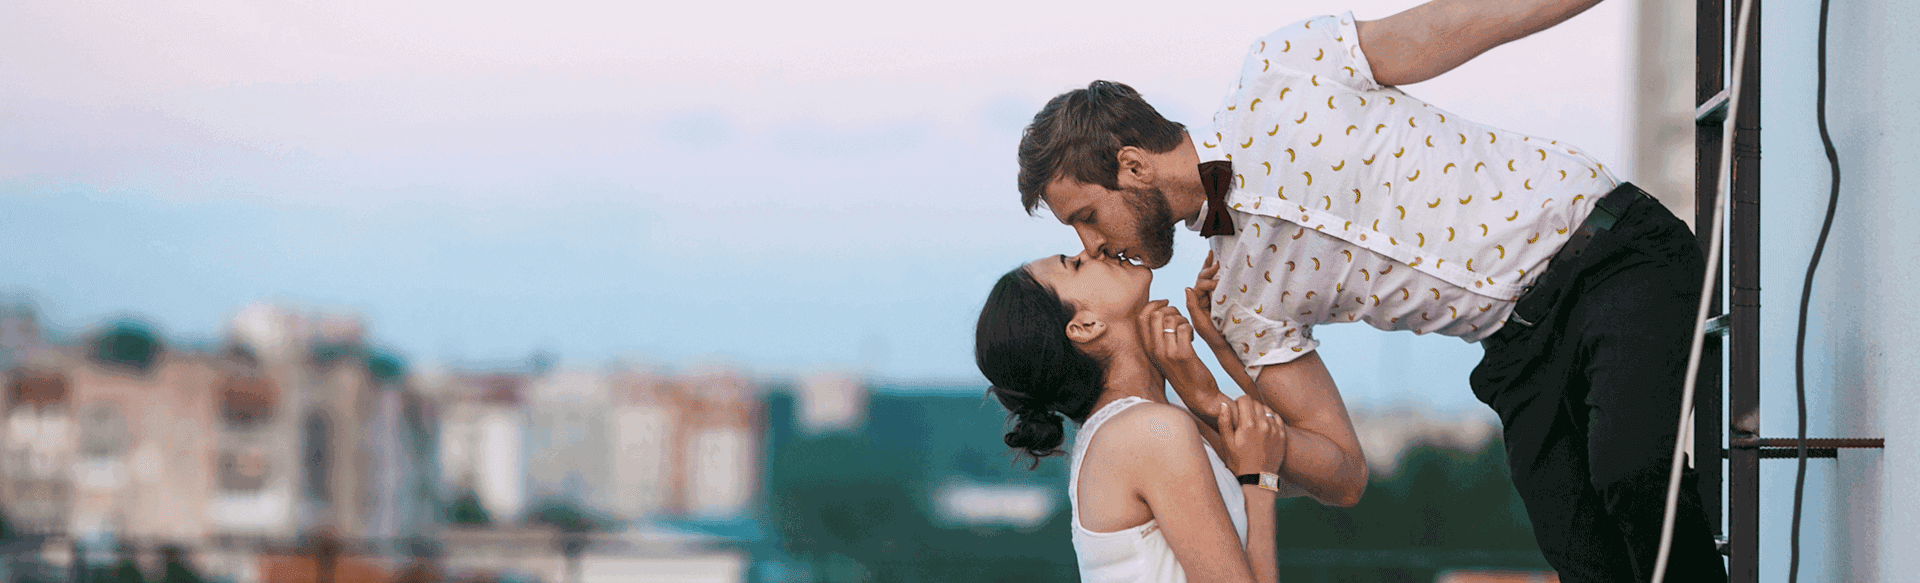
<point>1354,202</point>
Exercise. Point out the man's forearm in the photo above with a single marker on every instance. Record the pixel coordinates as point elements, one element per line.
<point>1323,452</point>
<point>1323,469</point>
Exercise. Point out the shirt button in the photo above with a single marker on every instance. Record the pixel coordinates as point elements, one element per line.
<point>1304,218</point>
<point>1476,284</point>
<point>1363,236</point>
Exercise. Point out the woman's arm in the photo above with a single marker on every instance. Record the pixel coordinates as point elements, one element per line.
<point>1323,452</point>
<point>1433,38</point>
<point>1208,432</point>
<point>1258,438</point>
<point>1170,473</point>
<point>1199,298</point>
<point>1173,354</point>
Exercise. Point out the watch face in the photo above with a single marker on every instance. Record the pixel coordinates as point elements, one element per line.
<point>1270,481</point>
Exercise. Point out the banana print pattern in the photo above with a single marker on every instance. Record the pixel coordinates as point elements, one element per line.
<point>1303,106</point>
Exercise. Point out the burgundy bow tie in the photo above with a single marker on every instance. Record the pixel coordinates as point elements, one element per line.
<point>1216,177</point>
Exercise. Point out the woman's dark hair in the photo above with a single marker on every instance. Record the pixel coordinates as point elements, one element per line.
<point>1021,346</point>
<point>1078,135</point>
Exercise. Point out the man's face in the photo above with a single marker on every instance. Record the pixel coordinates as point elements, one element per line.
<point>1134,224</point>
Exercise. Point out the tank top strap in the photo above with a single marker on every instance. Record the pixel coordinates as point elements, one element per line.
<point>1084,437</point>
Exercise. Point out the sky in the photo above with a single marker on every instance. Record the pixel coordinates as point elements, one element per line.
<point>788,187</point>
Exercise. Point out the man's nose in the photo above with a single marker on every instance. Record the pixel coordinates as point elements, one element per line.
<point>1094,244</point>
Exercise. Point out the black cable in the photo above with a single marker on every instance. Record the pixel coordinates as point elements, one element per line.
<point>1806,295</point>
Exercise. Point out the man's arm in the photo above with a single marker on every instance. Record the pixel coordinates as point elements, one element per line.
<point>1323,453</point>
<point>1433,38</point>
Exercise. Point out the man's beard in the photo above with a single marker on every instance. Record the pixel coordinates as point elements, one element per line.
<point>1153,223</point>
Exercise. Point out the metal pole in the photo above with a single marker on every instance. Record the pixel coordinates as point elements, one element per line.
<point>1743,268</point>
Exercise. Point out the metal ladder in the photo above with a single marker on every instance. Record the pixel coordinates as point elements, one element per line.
<point>1741,327</point>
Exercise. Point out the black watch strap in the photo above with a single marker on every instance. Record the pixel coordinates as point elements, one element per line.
<point>1265,480</point>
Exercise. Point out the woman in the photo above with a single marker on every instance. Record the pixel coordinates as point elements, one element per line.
<point>1156,493</point>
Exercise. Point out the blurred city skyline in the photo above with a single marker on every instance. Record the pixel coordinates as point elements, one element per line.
<point>759,184</point>
<point>293,450</point>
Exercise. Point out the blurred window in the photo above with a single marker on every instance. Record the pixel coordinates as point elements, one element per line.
<point>103,432</point>
<point>642,458</point>
<point>243,470</point>
<point>721,472</point>
<point>36,389</point>
<point>319,457</point>
<point>246,402</point>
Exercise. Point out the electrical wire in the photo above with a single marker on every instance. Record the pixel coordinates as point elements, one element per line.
<point>1806,294</point>
<point>1706,293</point>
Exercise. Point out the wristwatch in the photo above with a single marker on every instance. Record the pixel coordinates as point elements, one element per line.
<point>1266,480</point>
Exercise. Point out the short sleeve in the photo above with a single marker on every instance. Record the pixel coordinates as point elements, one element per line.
<point>1324,47</point>
<point>1259,340</point>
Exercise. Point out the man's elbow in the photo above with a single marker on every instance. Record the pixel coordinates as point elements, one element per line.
<point>1348,493</point>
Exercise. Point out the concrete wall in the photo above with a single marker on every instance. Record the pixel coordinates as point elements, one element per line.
<point>1863,351</point>
<point>1662,111</point>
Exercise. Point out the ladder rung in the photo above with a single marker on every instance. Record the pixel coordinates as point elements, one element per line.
<point>1827,442</point>
<point>1713,111</point>
<point>1717,326</point>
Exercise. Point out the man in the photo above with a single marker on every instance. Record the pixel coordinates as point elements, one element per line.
<point>1329,196</point>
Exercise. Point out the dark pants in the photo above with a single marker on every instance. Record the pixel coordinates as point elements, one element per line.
<point>1589,398</point>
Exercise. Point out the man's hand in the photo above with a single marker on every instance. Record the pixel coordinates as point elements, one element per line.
<point>1433,38</point>
<point>1200,304</point>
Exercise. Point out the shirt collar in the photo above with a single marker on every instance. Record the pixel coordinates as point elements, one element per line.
<point>1206,143</point>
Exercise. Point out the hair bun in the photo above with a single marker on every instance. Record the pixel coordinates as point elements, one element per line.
<point>1038,432</point>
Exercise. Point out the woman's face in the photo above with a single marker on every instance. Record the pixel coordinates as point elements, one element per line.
<point>1105,286</point>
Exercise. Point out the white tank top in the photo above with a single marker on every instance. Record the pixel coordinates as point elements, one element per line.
<point>1138,554</point>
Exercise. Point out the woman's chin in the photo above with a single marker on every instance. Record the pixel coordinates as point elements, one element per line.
<point>1145,275</point>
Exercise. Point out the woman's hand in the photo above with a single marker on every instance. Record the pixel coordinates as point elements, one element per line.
<point>1200,304</point>
<point>1256,437</point>
<point>1168,338</point>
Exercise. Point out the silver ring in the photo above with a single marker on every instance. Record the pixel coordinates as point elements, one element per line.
<point>1169,330</point>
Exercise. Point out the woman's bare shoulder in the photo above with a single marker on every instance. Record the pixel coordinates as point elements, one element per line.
<point>1151,432</point>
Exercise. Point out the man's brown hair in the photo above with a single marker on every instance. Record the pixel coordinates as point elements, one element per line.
<point>1079,135</point>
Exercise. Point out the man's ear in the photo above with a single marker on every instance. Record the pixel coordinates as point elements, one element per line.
<point>1085,328</point>
<point>1136,168</point>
